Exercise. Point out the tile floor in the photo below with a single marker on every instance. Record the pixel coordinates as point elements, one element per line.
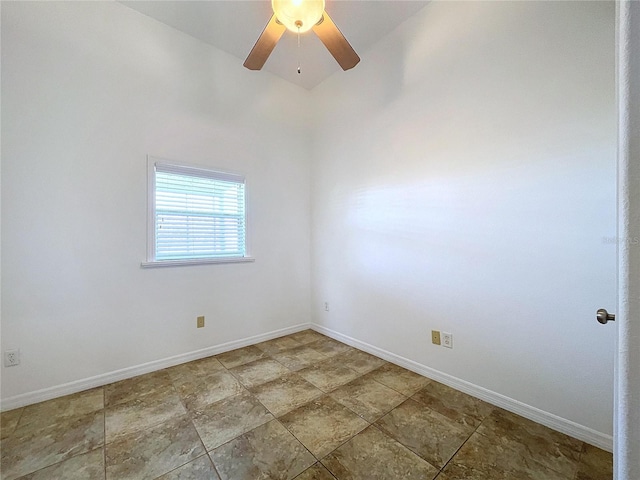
<point>302,407</point>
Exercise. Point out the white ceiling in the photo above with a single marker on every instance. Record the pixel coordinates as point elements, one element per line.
<point>234,26</point>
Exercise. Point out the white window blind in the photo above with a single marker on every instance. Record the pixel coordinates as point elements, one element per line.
<point>197,214</point>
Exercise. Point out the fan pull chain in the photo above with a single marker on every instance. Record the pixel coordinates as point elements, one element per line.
<point>299,50</point>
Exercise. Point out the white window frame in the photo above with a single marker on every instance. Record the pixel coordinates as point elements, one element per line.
<point>151,214</point>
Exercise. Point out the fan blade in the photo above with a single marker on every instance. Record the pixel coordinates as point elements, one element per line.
<point>335,42</point>
<point>265,44</point>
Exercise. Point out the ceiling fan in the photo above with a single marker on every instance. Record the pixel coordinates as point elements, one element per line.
<point>300,16</point>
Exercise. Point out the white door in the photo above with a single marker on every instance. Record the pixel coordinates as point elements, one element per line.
<point>627,385</point>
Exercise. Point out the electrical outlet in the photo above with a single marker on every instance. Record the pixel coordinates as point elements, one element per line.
<point>326,306</point>
<point>11,358</point>
<point>435,337</point>
<point>447,339</point>
<point>200,322</point>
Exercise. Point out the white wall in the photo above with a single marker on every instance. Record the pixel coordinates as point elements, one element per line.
<point>88,90</point>
<point>464,181</point>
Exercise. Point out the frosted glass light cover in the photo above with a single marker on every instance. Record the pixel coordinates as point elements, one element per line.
<point>307,12</point>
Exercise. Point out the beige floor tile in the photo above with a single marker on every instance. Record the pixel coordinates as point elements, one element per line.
<point>267,452</point>
<point>400,379</point>
<point>240,356</point>
<point>126,418</point>
<point>368,398</point>
<point>323,425</point>
<point>225,420</point>
<point>481,459</point>
<point>199,469</point>
<point>316,472</point>
<point>85,466</point>
<point>458,406</point>
<point>259,372</point>
<point>328,375</point>
<point>201,367</point>
<point>278,344</point>
<point>595,464</point>
<point>31,450</point>
<point>324,392</point>
<point>371,455</point>
<point>329,346</point>
<point>286,393</point>
<point>307,336</point>
<point>153,452</point>
<point>44,414</point>
<point>9,421</point>
<point>197,391</point>
<point>337,361</point>
<point>359,361</point>
<point>429,434</point>
<point>137,388</point>
<point>299,357</point>
<point>552,449</point>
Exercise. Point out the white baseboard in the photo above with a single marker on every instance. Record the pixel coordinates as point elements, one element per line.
<point>104,379</point>
<point>550,420</point>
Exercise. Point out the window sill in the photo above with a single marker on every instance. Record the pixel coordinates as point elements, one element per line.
<point>196,261</point>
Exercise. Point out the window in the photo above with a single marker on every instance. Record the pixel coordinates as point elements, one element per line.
<point>195,216</point>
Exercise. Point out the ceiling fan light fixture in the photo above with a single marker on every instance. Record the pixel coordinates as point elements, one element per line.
<point>298,15</point>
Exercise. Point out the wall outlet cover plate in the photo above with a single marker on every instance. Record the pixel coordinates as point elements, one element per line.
<point>11,358</point>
